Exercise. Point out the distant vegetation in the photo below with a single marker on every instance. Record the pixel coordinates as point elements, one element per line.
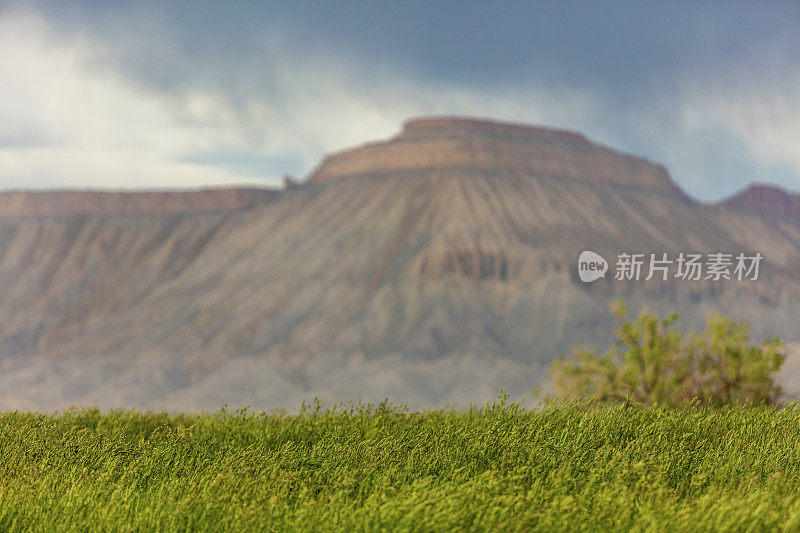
<point>653,363</point>
<point>499,468</point>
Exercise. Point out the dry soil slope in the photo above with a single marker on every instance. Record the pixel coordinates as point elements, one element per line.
<point>432,267</point>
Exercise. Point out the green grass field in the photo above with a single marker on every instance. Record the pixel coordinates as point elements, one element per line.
<point>568,467</point>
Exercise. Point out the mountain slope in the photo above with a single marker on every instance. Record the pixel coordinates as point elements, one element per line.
<point>433,267</point>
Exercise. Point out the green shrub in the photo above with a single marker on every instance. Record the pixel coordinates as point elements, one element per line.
<point>653,363</point>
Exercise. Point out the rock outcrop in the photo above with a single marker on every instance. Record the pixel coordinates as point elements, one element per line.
<point>766,199</point>
<point>16,204</point>
<point>437,146</point>
<point>433,268</point>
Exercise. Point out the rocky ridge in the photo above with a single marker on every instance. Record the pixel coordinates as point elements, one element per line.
<point>766,199</point>
<point>432,268</point>
<point>14,204</point>
<point>436,146</point>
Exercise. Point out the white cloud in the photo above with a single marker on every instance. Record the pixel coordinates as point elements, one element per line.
<point>64,125</point>
<point>73,114</point>
<point>68,123</point>
<point>734,127</point>
<point>762,112</point>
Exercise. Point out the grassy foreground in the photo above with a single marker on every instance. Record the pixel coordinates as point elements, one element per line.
<point>570,467</point>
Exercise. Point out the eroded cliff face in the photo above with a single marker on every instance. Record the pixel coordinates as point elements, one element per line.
<point>767,200</point>
<point>432,268</point>
<point>17,204</point>
<point>447,146</point>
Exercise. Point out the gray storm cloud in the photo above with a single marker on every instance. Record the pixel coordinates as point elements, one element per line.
<point>145,99</point>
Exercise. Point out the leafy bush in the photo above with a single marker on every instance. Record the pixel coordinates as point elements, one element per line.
<point>653,363</point>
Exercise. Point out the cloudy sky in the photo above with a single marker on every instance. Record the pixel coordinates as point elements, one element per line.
<point>189,94</point>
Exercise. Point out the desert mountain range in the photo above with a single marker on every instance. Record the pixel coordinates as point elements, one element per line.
<point>432,268</point>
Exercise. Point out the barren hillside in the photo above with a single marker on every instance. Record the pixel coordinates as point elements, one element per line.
<point>433,267</point>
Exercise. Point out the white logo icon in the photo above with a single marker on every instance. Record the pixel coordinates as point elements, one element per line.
<point>591,266</point>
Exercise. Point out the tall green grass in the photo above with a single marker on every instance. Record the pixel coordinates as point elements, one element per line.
<point>565,467</point>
